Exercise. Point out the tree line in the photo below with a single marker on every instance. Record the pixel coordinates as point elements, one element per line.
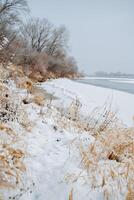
<point>36,44</point>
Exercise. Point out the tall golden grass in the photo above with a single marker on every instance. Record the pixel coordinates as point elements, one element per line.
<point>11,158</point>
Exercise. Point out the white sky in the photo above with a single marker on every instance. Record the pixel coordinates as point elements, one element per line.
<point>101,31</point>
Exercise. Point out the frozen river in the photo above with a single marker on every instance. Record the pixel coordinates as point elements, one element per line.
<point>121,84</point>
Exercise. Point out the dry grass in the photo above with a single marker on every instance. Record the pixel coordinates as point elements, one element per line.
<point>15,71</point>
<point>130,194</point>
<point>100,120</point>
<point>71,195</point>
<point>109,160</point>
<point>11,153</point>
<point>39,99</point>
<point>11,108</point>
<point>24,83</point>
<point>11,158</point>
<point>4,74</point>
<point>7,106</point>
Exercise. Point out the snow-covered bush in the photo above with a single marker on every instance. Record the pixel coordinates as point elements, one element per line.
<point>8,106</point>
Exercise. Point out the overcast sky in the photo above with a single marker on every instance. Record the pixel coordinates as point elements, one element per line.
<point>101,31</point>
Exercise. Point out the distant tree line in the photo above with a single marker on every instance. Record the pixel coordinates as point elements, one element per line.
<point>112,74</point>
<point>36,44</point>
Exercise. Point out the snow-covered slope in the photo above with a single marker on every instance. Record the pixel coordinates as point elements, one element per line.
<point>54,166</point>
<point>56,163</point>
<point>92,96</point>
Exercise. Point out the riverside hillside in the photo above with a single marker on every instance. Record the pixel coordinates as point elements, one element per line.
<point>62,140</point>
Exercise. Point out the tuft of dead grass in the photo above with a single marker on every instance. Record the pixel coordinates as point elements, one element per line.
<point>11,159</point>
<point>71,195</point>
<point>39,99</point>
<point>130,194</point>
<point>24,83</point>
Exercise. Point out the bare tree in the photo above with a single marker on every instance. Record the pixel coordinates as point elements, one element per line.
<point>48,44</point>
<point>66,65</point>
<point>41,35</point>
<point>10,10</point>
<point>36,33</point>
<point>58,42</point>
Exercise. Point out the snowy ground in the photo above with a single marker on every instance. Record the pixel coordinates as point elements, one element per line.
<point>92,96</point>
<point>54,166</point>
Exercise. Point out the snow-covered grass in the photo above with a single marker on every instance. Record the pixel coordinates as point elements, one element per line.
<point>74,147</point>
<point>92,97</point>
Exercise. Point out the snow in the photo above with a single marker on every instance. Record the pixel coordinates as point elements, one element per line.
<point>92,97</point>
<point>56,163</point>
<point>53,160</point>
<point>4,43</point>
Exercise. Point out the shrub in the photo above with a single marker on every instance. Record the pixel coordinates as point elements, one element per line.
<point>63,67</point>
<point>32,62</point>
